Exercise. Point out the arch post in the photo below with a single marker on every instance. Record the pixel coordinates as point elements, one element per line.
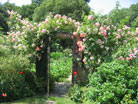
<point>77,63</point>
<point>48,64</point>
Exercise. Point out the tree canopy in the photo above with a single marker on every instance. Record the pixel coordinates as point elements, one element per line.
<point>27,11</point>
<point>71,8</point>
<point>4,15</point>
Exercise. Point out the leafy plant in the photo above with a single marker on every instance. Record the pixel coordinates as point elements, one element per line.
<point>61,65</point>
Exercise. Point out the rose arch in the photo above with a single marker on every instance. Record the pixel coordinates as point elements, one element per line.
<point>36,40</point>
<point>43,65</point>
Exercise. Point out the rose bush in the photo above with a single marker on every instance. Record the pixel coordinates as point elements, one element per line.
<point>30,37</point>
<point>103,40</point>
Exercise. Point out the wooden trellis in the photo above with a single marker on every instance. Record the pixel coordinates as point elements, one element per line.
<point>43,65</point>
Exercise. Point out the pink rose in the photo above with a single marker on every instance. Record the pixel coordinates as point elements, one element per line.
<point>13,39</point>
<point>121,58</point>
<point>40,25</point>
<point>118,36</point>
<point>44,31</point>
<point>97,24</point>
<point>128,58</point>
<point>79,43</point>
<point>46,21</point>
<point>135,49</point>
<point>84,40</point>
<point>14,47</point>
<point>58,16</point>
<point>75,33</point>
<point>104,33</point>
<point>31,55</point>
<point>90,17</point>
<point>108,27</point>
<point>33,45</point>
<point>37,48</point>
<point>84,60</point>
<point>91,58</point>
<point>41,46</point>
<point>80,49</point>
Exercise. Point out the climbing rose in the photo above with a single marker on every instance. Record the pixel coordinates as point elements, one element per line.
<point>91,58</point>
<point>4,94</point>
<point>118,36</point>
<point>33,45</point>
<point>97,24</point>
<point>132,55</point>
<point>81,48</point>
<point>58,16</point>
<point>39,25</point>
<point>75,73</point>
<point>37,48</point>
<point>135,49</point>
<point>75,33</point>
<point>41,46</point>
<point>84,60</point>
<point>121,58</point>
<point>79,43</point>
<point>104,33</point>
<point>13,39</point>
<point>129,58</point>
<point>90,18</point>
<point>84,40</point>
<point>46,21</point>
<point>108,27</point>
<point>44,30</point>
<point>31,55</point>
<point>82,35</point>
<point>21,73</point>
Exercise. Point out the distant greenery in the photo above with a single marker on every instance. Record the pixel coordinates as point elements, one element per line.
<point>27,11</point>
<point>61,65</point>
<point>118,15</point>
<point>71,8</point>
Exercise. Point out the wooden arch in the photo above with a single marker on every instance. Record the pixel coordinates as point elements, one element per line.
<point>43,65</point>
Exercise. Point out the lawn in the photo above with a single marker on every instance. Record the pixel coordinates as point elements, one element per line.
<point>42,100</point>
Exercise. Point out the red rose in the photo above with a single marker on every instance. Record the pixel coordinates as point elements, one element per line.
<point>4,94</point>
<point>21,72</point>
<point>75,73</point>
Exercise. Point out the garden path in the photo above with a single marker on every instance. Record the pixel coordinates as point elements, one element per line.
<point>61,89</point>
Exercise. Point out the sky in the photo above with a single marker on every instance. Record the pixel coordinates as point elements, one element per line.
<point>103,6</point>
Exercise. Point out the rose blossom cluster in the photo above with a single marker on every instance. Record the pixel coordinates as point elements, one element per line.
<point>131,56</point>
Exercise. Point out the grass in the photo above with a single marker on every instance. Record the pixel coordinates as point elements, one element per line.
<point>42,100</point>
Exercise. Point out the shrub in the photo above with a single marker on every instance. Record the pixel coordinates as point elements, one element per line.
<point>112,83</point>
<point>18,84</point>
<point>17,80</point>
<point>75,93</point>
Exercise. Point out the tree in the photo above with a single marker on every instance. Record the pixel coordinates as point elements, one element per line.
<point>4,15</point>
<point>37,1</point>
<point>114,15</point>
<point>71,8</point>
<point>87,1</point>
<point>3,19</point>
<point>133,12</point>
<point>27,11</point>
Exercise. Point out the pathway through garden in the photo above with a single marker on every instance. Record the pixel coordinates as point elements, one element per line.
<point>61,90</point>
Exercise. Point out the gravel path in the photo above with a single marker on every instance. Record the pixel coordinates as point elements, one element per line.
<point>61,90</point>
